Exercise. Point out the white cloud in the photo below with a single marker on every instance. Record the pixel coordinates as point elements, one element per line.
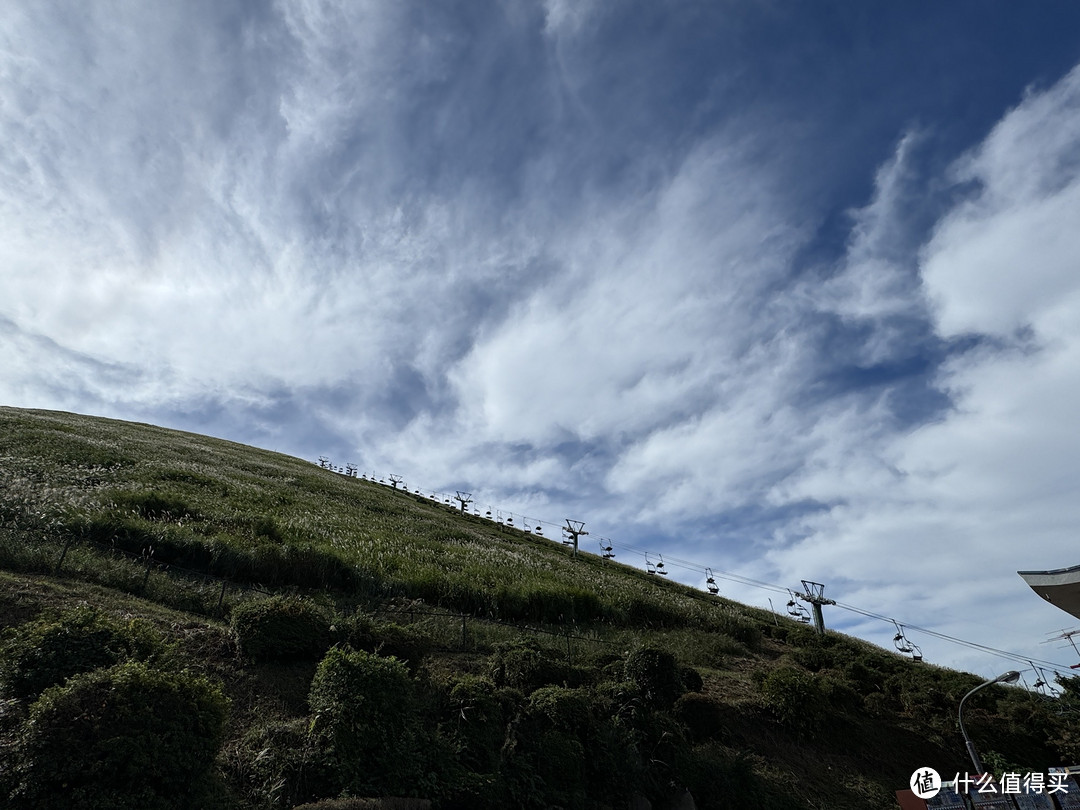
<point>933,524</point>
<point>1005,259</point>
<point>393,223</point>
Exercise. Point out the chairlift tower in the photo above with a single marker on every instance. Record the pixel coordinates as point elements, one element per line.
<point>574,529</point>
<point>395,480</point>
<point>464,498</point>
<point>814,593</point>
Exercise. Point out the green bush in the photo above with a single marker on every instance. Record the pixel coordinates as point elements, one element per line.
<point>282,764</point>
<point>719,777</point>
<point>124,738</point>
<point>561,708</point>
<point>691,679</point>
<point>656,673</point>
<point>814,658</point>
<point>47,652</point>
<point>793,696</point>
<point>367,708</point>
<point>367,804</point>
<point>702,715</point>
<point>281,629</point>
<point>525,665</point>
<point>403,642</point>
<point>477,722</point>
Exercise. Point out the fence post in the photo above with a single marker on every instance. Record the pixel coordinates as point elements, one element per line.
<point>63,554</point>
<point>149,559</point>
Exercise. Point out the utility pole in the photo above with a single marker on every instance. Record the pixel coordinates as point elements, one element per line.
<point>464,498</point>
<point>814,593</point>
<point>574,529</point>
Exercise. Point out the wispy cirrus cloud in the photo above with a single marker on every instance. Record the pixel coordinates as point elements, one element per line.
<point>696,276</point>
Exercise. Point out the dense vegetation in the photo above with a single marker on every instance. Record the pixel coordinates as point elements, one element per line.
<point>317,637</point>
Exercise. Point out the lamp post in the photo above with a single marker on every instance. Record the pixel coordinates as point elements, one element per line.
<point>1008,677</point>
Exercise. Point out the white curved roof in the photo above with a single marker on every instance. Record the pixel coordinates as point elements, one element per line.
<point>1060,587</point>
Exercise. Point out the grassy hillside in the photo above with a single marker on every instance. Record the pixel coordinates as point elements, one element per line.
<point>339,637</point>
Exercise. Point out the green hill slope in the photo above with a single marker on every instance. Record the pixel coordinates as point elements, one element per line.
<point>472,665</point>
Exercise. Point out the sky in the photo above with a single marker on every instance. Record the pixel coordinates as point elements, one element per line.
<point>789,290</point>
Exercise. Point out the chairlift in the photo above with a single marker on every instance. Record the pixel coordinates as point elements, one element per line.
<point>539,530</point>
<point>510,520</point>
<point>798,611</point>
<point>649,567</point>
<point>905,646</point>
<point>660,567</point>
<point>900,641</point>
<point>487,514</point>
<point>605,549</point>
<point>710,582</point>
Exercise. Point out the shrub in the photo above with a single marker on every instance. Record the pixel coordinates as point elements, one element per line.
<point>127,737</point>
<point>814,658</point>
<point>656,674</point>
<point>561,708</point>
<point>367,804</point>
<point>477,722</point>
<point>402,642</point>
<point>282,764</point>
<point>793,696</point>
<point>281,629</point>
<point>47,652</point>
<point>690,679</point>
<point>366,706</point>
<point>710,771</point>
<point>525,665</point>
<point>701,715</point>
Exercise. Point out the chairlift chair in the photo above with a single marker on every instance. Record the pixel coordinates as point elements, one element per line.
<point>660,567</point>
<point>540,530</point>
<point>710,582</point>
<point>649,567</point>
<point>797,611</point>
<point>901,642</point>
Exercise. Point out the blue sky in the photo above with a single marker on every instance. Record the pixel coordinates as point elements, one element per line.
<point>785,289</point>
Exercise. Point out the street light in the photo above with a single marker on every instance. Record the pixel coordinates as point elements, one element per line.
<point>1008,677</point>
